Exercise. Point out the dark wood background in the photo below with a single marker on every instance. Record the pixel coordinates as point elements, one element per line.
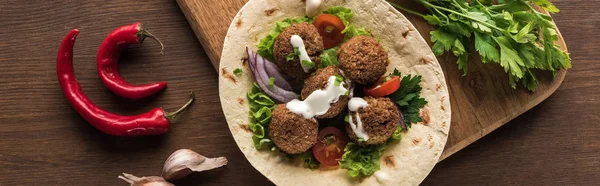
<point>43,141</point>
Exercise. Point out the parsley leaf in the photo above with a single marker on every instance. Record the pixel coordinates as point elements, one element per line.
<point>237,71</point>
<point>408,98</point>
<point>308,64</point>
<point>508,32</point>
<point>292,55</point>
<point>271,82</point>
<point>338,80</point>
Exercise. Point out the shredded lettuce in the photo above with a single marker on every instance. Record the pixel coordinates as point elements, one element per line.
<point>309,160</point>
<point>265,46</point>
<point>345,14</point>
<point>261,107</point>
<point>364,161</point>
<point>361,161</point>
<point>352,31</point>
<point>329,58</point>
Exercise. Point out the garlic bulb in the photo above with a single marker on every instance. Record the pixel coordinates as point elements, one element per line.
<point>184,161</point>
<point>144,181</point>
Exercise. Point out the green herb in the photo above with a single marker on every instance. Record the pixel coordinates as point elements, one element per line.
<point>338,80</point>
<point>261,107</point>
<point>347,119</point>
<point>329,58</point>
<point>237,71</point>
<point>292,55</point>
<point>510,33</point>
<point>361,161</point>
<point>265,46</point>
<point>408,98</point>
<point>308,64</point>
<point>271,82</point>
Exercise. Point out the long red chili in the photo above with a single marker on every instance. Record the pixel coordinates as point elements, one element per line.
<point>108,62</point>
<point>156,121</point>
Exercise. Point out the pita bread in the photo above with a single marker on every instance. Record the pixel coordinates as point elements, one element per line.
<point>405,163</point>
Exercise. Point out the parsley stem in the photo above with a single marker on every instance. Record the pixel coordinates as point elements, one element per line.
<point>461,14</point>
<point>406,10</point>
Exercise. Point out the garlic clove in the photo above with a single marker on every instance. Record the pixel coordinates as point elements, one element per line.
<point>184,161</point>
<point>144,181</point>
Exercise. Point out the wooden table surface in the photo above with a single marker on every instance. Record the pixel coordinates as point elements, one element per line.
<point>43,141</point>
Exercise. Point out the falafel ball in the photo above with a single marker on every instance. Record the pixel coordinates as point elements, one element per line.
<point>379,120</point>
<point>363,59</point>
<point>291,132</point>
<point>320,81</point>
<point>313,43</point>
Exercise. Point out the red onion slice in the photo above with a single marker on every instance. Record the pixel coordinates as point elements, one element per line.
<point>273,71</point>
<point>257,65</point>
<point>402,124</point>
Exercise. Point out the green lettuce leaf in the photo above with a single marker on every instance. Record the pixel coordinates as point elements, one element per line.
<point>361,161</point>
<point>261,107</point>
<point>345,14</point>
<point>329,58</point>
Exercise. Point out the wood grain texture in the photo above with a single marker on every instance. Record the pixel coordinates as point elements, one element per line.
<point>481,102</point>
<point>43,141</point>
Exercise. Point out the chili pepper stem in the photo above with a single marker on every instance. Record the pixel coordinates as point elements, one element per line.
<point>142,34</point>
<point>172,115</point>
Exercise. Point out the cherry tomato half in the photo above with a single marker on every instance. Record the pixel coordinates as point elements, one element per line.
<point>330,27</point>
<point>330,146</point>
<point>385,87</point>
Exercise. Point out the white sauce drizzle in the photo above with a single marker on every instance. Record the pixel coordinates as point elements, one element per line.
<point>298,43</point>
<point>319,101</point>
<point>353,105</point>
<point>312,7</point>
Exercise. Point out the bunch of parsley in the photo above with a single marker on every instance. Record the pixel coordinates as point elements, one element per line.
<point>510,32</point>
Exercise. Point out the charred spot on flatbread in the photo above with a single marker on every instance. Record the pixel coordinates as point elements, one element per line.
<point>270,12</point>
<point>389,161</point>
<point>416,141</point>
<point>245,127</point>
<point>425,116</point>
<point>241,101</point>
<point>227,75</point>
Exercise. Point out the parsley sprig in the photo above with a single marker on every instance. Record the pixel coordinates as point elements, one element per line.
<point>511,33</point>
<point>408,97</point>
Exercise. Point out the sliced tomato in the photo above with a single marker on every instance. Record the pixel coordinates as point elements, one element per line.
<point>385,87</point>
<point>330,27</point>
<point>330,146</point>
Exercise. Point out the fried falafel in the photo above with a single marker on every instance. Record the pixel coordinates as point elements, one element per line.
<point>363,59</point>
<point>320,81</point>
<point>379,120</point>
<point>291,132</point>
<point>283,47</point>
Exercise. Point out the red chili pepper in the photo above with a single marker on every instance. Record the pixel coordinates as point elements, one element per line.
<point>156,121</point>
<point>108,62</point>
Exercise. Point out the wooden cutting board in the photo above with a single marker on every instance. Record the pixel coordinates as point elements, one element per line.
<point>481,102</point>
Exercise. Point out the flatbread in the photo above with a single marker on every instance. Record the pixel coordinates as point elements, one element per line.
<point>405,163</point>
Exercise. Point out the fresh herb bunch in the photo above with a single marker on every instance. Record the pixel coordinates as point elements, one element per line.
<point>509,32</point>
